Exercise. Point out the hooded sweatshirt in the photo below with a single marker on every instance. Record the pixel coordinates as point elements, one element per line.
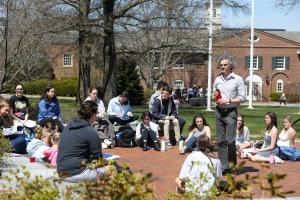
<point>79,144</point>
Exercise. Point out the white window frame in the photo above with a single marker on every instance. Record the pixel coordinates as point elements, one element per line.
<point>179,65</point>
<point>214,12</point>
<point>279,85</point>
<point>282,64</point>
<point>68,63</point>
<point>255,62</point>
<point>180,85</point>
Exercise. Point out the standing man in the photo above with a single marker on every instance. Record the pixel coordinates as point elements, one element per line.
<point>229,93</point>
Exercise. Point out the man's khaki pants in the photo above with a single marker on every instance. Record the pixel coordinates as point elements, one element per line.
<point>167,126</point>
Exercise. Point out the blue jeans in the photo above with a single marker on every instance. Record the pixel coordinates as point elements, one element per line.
<point>191,143</point>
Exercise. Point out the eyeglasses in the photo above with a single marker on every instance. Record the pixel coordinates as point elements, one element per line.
<point>19,89</point>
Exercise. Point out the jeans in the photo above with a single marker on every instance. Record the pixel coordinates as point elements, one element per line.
<point>149,136</point>
<point>191,143</point>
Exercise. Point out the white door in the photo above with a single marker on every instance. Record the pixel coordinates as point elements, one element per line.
<point>257,88</point>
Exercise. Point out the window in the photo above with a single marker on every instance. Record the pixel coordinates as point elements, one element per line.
<point>279,85</point>
<point>178,84</point>
<point>280,63</point>
<point>68,60</point>
<point>257,62</point>
<point>179,65</point>
<point>255,38</point>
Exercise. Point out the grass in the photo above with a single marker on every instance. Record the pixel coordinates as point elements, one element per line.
<point>254,118</point>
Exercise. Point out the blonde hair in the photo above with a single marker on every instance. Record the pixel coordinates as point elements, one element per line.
<point>41,133</point>
<point>55,138</point>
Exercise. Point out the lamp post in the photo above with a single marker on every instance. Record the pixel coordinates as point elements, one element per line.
<point>209,57</point>
<point>251,58</point>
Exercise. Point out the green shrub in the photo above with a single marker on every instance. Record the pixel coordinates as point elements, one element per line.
<point>4,147</point>
<point>275,96</point>
<point>35,189</point>
<point>64,87</point>
<point>147,94</point>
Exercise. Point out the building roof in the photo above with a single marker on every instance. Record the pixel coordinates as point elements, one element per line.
<point>290,35</point>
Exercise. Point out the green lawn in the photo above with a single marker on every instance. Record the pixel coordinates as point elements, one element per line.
<point>254,118</point>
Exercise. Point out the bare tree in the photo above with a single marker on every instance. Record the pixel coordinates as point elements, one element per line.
<point>289,4</point>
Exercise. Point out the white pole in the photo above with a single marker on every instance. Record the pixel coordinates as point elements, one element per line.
<point>209,57</point>
<point>251,57</point>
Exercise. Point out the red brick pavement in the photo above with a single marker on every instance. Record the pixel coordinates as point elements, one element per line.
<point>165,167</point>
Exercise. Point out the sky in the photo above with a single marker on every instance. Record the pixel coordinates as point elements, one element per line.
<point>266,16</point>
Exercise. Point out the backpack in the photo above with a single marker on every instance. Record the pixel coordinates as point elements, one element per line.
<point>126,137</point>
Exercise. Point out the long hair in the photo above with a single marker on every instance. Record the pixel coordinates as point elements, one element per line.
<point>240,129</point>
<point>146,114</point>
<point>273,118</point>
<point>45,96</point>
<point>194,125</point>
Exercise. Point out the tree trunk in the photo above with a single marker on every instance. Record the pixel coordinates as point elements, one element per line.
<point>109,53</point>
<point>84,52</point>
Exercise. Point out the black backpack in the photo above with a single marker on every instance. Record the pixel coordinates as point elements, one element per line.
<point>126,137</point>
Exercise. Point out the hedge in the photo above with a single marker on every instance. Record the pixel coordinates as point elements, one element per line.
<point>275,96</point>
<point>64,87</point>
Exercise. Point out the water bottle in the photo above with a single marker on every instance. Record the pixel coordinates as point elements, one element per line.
<point>180,145</point>
<point>163,145</point>
<point>118,136</point>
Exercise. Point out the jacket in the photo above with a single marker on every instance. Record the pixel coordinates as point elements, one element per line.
<point>79,144</point>
<point>49,109</point>
<point>115,107</point>
<point>157,109</point>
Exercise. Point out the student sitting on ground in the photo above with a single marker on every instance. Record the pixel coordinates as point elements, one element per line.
<point>79,145</point>
<point>40,143</point>
<point>199,171</point>
<point>10,128</point>
<point>119,110</point>
<point>147,133</point>
<point>20,104</point>
<point>265,153</point>
<point>198,127</point>
<point>51,154</point>
<point>103,126</point>
<point>49,108</point>
<point>242,139</point>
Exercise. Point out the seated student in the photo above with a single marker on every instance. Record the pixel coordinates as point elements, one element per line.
<point>197,128</point>
<point>10,129</point>
<point>40,143</point>
<point>265,153</point>
<point>79,145</point>
<point>103,126</point>
<point>49,108</point>
<point>164,112</point>
<point>199,171</point>
<point>119,110</point>
<point>157,93</point>
<point>287,136</point>
<point>242,139</point>
<point>19,104</point>
<point>51,154</point>
<point>147,132</point>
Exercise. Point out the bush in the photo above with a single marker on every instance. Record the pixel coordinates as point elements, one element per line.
<point>147,94</point>
<point>64,87</point>
<point>4,147</point>
<point>275,96</point>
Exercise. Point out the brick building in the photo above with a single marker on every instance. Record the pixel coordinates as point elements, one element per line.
<point>276,60</point>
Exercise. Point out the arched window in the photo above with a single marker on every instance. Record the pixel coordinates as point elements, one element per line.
<point>279,85</point>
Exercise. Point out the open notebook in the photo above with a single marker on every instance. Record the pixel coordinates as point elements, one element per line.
<point>110,156</point>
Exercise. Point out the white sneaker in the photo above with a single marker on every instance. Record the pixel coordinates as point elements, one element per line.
<point>104,146</point>
<point>107,142</point>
